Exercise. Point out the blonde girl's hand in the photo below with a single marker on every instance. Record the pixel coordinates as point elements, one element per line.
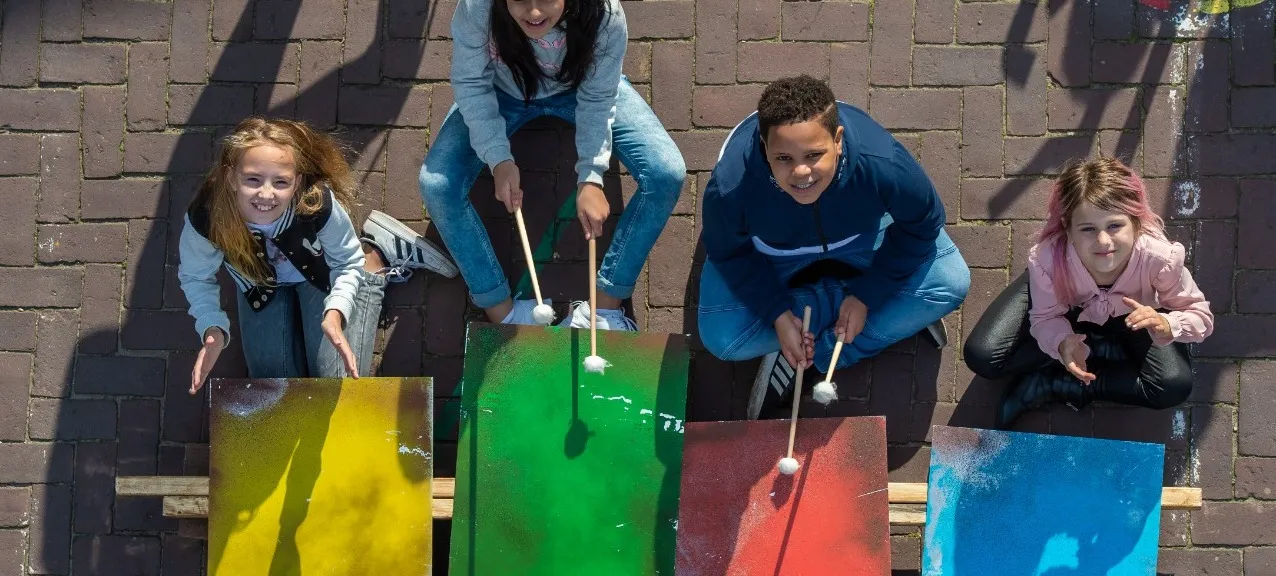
<point>214,341</point>
<point>592,209</point>
<point>1073,352</point>
<point>1146,317</point>
<point>332,323</point>
<point>508,189</point>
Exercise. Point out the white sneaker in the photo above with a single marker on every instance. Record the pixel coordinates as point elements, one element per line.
<point>613,319</point>
<point>521,313</point>
<point>404,249</point>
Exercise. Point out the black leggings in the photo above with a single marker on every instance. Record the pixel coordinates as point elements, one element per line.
<point>1128,367</point>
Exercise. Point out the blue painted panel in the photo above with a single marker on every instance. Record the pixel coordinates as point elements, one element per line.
<point>1020,504</point>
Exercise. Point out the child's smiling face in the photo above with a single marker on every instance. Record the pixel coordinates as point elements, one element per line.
<point>265,180</point>
<point>803,158</point>
<point>536,17</point>
<point>1103,240</point>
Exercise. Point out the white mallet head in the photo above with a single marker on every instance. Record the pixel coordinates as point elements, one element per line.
<point>789,466</point>
<point>824,392</point>
<point>596,364</point>
<point>543,314</point>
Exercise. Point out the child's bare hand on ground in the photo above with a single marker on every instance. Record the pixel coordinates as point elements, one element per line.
<point>1073,352</point>
<point>332,328</point>
<point>508,185</point>
<point>214,341</point>
<point>797,347</point>
<point>592,209</point>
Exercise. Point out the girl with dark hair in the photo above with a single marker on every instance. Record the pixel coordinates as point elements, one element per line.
<point>516,60</point>
<point>1105,309</point>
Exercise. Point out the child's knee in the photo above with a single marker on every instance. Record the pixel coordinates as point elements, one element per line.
<point>433,182</point>
<point>664,181</point>
<point>982,357</point>
<point>716,339</point>
<point>1172,391</point>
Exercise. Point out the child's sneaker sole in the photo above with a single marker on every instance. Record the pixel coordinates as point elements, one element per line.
<point>431,254</point>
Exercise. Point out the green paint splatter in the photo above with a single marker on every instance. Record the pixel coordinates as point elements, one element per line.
<point>563,472</point>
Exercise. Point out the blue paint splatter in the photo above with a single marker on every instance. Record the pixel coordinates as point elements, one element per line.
<point>1041,505</point>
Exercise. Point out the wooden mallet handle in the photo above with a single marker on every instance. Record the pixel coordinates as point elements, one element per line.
<point>527,253</point>
<point>593,297</point>
<point>797,387</point>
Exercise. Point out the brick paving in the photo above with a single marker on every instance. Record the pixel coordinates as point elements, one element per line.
<point>109,110</point>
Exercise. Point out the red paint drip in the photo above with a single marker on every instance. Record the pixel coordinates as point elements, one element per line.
<point>1158,4</point>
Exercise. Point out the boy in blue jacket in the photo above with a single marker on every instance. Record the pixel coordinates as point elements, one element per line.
<point>812,203</point>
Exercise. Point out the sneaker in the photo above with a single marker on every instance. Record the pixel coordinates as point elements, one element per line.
<point>403,248</point>
<point>607,319</point>
<point>521,313</point>
<point>937,331</point>
<point>774,381</point>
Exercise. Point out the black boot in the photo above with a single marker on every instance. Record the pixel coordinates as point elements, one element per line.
<point>1038,388</point>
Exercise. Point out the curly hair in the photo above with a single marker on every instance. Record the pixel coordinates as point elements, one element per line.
<point>797,99</point>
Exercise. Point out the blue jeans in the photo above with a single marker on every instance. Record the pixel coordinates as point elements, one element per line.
<point>638,138</point>
<point>730,332</point>
<point>286,340</point>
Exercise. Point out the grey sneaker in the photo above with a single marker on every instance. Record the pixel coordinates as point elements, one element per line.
<point>404,249</point>
<point>607,319</point>
<point>521,313</point>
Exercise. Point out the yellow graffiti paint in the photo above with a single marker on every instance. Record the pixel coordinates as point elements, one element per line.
<point>1223,6</point>
<point>320,476</point>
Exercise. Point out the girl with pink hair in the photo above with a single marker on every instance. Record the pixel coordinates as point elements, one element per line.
<point>1105,309</point>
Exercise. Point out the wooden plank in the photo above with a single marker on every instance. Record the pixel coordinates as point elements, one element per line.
<point>197,507</point>
<point>161,485</point>
<point>198,486</point>
<point>186,506</point>
<point>1172,497</point>
<point>907,515</point>
<point>906,492</point>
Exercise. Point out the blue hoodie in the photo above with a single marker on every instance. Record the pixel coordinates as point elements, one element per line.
<point>880,205</point>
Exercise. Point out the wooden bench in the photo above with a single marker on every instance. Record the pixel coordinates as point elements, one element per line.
<point>187,497</point>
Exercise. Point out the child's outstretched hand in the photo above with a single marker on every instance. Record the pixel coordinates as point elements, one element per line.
<point>797,347</point>
<point>1073,352</point>
<point>592,209</point>
<point>1146,317</point>
<point>214,341</point>
<point>508,189</point>
<point>332,322</point>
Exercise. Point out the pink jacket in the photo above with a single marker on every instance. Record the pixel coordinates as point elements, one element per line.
<point>1155,276</point>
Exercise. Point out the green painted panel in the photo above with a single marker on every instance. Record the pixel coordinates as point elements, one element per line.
<point>563,472</point>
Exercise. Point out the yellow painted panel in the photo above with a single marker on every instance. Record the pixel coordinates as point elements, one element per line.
<point>320,476</point>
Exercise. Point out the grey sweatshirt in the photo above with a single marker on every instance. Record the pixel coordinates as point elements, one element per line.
<point>477,72</point>
<point>199,260</point>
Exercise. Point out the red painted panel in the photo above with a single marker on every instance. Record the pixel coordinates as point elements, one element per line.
<point>740,516</point>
